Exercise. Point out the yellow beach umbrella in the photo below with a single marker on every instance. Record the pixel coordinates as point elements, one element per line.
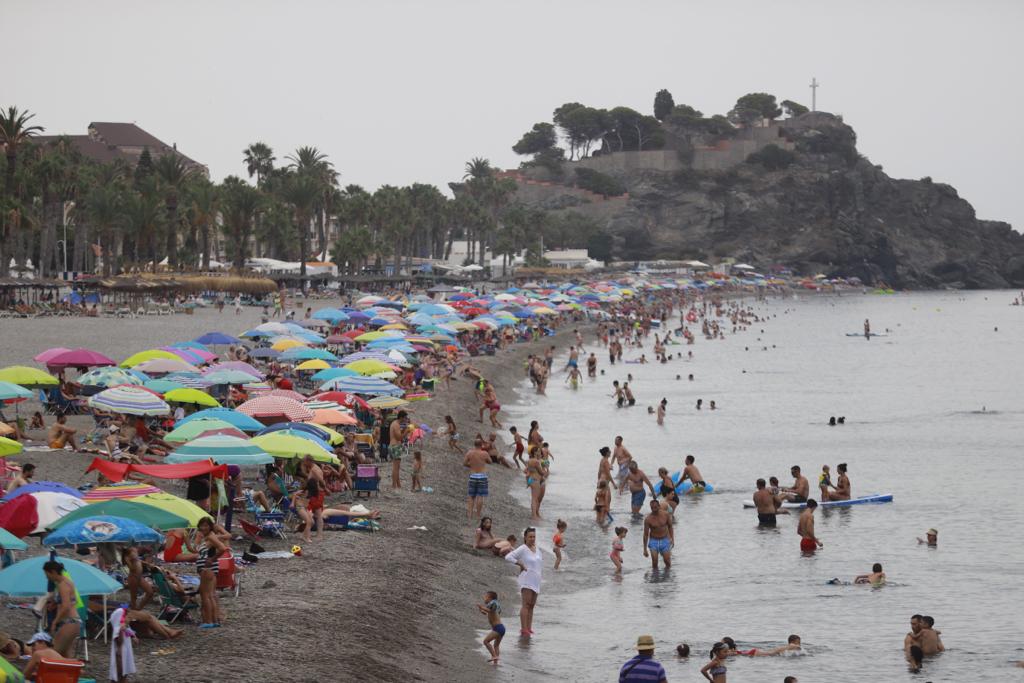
<point>368,366</point>
<point>313,364</point>
<point>286,344</point>
<point>143,356</point>
<point>9,447</point>
<point>387,402</point>
<point>175,505</point>
<point>394,326</point>
<point>27,377</point>
<point>193,396</point>
<point>377,334</point>
<point>288,446</point>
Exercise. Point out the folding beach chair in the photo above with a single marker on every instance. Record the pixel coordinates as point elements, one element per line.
<point>228,576</point>
<point>67,671</point>
<point>366,481</point>
<point>174,604</point>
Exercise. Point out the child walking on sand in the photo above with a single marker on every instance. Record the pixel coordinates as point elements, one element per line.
<point>417,471</point>
<point>492,608</point>
<point>558,541</point>
<point>617,547</point>
<point>453,434</point>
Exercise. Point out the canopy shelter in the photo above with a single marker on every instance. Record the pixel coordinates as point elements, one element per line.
<point>116,471</point>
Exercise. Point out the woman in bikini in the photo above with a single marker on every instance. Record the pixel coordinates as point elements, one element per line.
<point>715,670</point>
<point>208,566</point>
<point>67,626</point>
<point>667,489</point>
<point>534,480</point>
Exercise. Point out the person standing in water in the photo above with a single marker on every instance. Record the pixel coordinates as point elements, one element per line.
<point>867,329</point>
<point>635,480</point>
<point>659,537</point>
<point>693,474</point>
<point>530,562</point>
<point>805,528</point>
<point>766,506</point>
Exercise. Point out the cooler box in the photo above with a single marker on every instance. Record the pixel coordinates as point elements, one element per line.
<point>367,480</point>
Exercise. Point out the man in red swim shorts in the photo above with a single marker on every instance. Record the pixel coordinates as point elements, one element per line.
<point>805,527</point>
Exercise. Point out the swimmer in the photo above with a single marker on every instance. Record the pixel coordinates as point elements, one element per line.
<point>792,645</point>
<point>875,578</point>
<point>693,474</point>
<point>661,411</point>
<point>690,378</point>
<point>682,650</point>
<point>931,538</point>
<point>805,528</point>
<point>700,402</point>
<point>712,405</point>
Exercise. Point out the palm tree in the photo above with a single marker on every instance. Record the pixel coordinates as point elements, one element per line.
<point>311,161</point>
<point>172,173</point>
<point>143,217</point>
<point>478,168</point>
<point>204,199</point>
<point>259,161</point>
<point>104,205</point>
<point>240,205</point>
<point>392,214</point>
<point>301,191</point>
<point>14,131</point>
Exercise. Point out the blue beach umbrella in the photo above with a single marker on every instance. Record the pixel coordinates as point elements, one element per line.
<point>264,353</point>
<point>333,315</point>
<point>307,353</point>
<point>101,529</point>
<point>162,386</point>
<point>295,428</point>
<point>229,377</point>
<point>9,541</point>
<point>26,578</point>
<point>37,486</point>
<point>333,373</point>
<point>190,345</point>
<point>222,449</point>
<point>233,417</point>
<point>215,338</point>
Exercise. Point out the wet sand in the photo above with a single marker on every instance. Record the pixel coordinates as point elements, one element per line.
<point>396,605</point>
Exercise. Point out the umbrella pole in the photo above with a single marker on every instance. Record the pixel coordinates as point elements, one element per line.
<point>104,617</point>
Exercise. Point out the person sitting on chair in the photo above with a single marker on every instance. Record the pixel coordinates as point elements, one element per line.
<point>42,648</point>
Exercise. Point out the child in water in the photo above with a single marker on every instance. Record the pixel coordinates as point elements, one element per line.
<point>492,608</point>
<point>558,541</point>
<point>824,481</point>
<point>617,547</point>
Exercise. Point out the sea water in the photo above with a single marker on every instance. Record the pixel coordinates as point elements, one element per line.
<point>934,415</point>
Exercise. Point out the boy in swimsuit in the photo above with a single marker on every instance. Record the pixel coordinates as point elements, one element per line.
<point>492,608</point>
<point>805,527</point>
<point>558,541</point>
<point>520,447</point>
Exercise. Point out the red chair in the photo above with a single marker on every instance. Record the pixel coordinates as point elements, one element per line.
<point>66,671</point>
<point>227,576</point>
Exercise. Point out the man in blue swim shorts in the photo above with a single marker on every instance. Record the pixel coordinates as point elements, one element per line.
<point>635,480</point>
<point>659,536</point>
<point>476,460</point>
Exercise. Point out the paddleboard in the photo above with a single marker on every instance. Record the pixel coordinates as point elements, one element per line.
<point>873,498</point>
<point>686,486</point>
<point>861,334</point>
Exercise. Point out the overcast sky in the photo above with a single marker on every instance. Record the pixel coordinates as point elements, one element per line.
<point>396,92</point>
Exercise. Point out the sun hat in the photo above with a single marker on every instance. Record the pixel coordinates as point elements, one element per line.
<point>41,636</point>
<point>645,643</point>
<point>932,532</point>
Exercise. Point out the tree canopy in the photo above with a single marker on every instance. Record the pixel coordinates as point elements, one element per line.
<point>663,104</point>
<point>753,107</point>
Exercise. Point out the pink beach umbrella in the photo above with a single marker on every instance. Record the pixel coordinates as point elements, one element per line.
<point>78,358</point>
<point>159,366</point>
<point>239,365</point>
<point>276,407</point>
<point>49,353</point>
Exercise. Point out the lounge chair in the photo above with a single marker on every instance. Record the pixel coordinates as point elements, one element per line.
<point>174,604</point>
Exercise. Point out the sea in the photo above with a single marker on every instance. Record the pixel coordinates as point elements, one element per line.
<point>934,416</point>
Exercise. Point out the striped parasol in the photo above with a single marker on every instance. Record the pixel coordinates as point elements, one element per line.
<point>119,491</point>
<point>322,405</point>
<point>276,406</point>
<point>129,400</point>
<point>288,393</point>
<point>370,386</point>
<point>224,450</point>
<point>108,377</point>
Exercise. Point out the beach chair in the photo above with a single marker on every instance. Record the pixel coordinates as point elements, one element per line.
<point>366,445</point>
<point>174,605</point>
<point>228,576</point>
<point>67,671</point>
<point>366,481</point>
<point>271,524</point>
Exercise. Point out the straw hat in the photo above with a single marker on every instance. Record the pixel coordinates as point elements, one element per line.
<point>645,643</point>
<point>932,532</point>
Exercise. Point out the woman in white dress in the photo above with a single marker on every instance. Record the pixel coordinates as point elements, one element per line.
<point>530,562</point>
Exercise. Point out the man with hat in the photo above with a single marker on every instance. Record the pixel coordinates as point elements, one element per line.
<point>42,648</point>
<point>643,668</point>
<point>931,538</point>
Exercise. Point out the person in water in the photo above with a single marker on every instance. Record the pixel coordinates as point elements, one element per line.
<point>618,547</point>
<point>931,538</point>
<point>805,528</point>
<point>492,610</point>
<point>767,506</point>
<point>659,536</point>
<point>792,645</point>
<point>715,670</point>
<point>635,480</point>
<point>841,491</point>
<point>875,578</point>
<point>558,541</point>
<point>693,474</point>
<point>800,489</point>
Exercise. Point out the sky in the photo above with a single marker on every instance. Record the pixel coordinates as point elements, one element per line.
<point>397,91</point>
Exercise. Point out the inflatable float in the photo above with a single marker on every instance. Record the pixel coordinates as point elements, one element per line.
<point>686,486</point>
<point>862,500</point>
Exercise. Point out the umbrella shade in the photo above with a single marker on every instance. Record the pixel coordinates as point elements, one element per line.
<point>193,429</point>
<point>9,541</point>
<point>333,417</point>
<point>165,365</point>
<point>229,377</point>
<point>13,392</point>
<point>36,486</point>
<point>224,450</point>
<point>101,529</point>
<point>264,353</point>
<point>387,402</point>
<point>319,431</point>
<point>331,314</point>
<point>78,358</point>
<point>162,386</point>
<point>129,400</point>
<point>370,386</point>
<point>286,344</point>
<point>282,445</point>
<point>27,377</point>
<point>237,365</point>
<point>192,396</point>
<point>49,353</point>
<point>314,364</point>
<point>113,491</point>
<point>218,338</point>
<point>9,447</point>
<point>233,417</point>
<point>143,356</point>
<point>368,366</point>
<point>177,506</point>
<point>32,513</point>
<point>26,578</point>
<point>307,353</point>
<point>331,373</point>
<point>144,514</point>
<point>108,377</point>
<point>276,406</point>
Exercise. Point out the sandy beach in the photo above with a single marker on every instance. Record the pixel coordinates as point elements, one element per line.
<point>396,605</point>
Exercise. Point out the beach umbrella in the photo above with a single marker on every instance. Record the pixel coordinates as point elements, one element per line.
<point>368,366</point>
<point>331,373</point>
<point>189,380</point>
<point>264,353</point>
<point>49,353</point>
<point>283,445</point>
<point>192,397</point>
<point>331,314</point>
<point>101,529</point>
<point>286,344</point>
<point>143,356</point>
<point>364,355</point>
<point>276,407</point>
<point>78,358</point>
<point>330,416</point>
<point>37,486</point>
<point>139,512</point>
<point>9,447</point>
<point>129,400</point>
<point>33,512</point>
<point>370,386</point>
<point>314,364</point>
<point>123,490</point>
<point>12,393</point>
<point>27,377</point>
<point>387,402</point>
<point>224,450</point>
<point>26,578</point>
<point>322,405</point>
<point>222,377</point>
<point>108,377</point>
<point>193,356</point>
<point>166,365</point>
<point>272,328</point>
<point>233,417</point>
<point>9,541</point>
<point>196,428</point>
<point>238,365</point>
<point>215,338</point>
<point>307,353</point>
<point>162,386</point>
<point>190,345</point>
<point>287,393</point>
<point>300,428</point>
<point>175,505</point>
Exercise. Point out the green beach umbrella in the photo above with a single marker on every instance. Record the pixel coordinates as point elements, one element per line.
<point>9,541</point>
<point>27,377</point>
<point>143,356</point>
<point>144,514</point>
<point>9,447</point>
<point>193,429</point>
<point>192,396</point>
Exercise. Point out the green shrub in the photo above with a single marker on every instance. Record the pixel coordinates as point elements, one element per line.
<point>599,183</point>
<point>772,157</point>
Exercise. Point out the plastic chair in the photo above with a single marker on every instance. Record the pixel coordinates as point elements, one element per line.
<point>228,577</point>
<point>67,671</point>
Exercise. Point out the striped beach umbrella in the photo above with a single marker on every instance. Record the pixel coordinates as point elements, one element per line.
<point>129,400</point>
<point>370,386</point>
<point>113,491</point>
<point>224,450</point>
<point>194,429</point>
<point>108,377</point>
<point>276,407</point>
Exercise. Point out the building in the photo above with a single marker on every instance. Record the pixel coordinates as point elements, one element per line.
<point>571,258</point>
<point>106,142</point>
